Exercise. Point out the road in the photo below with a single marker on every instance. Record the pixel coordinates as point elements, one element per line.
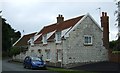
<point>14,67</point>
<point>0,65</point>
<point>102,67</point>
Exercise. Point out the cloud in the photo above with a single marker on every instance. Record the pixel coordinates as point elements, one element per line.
<point>32,15</point>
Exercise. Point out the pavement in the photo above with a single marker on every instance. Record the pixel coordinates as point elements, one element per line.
<point>102,67</point>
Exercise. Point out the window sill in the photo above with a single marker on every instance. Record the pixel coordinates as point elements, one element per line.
<point>47,60</point>
<point>85,44</point>
<point>58,41</point>
<point>59,60</point>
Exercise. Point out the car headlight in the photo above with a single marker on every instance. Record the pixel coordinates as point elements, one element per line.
<point>33,62</point>
<point>44,63</point>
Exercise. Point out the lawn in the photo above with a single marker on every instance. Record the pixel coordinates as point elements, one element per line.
<point>61,70</point>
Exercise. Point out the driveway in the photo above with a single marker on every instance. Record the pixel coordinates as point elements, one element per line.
<point>102,67</point>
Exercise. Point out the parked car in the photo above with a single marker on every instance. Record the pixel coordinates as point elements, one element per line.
<point>34,62</point>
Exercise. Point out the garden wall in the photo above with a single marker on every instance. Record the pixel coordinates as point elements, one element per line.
<point>114,57</point>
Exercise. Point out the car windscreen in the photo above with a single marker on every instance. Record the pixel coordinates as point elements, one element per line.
<point>35,59</point>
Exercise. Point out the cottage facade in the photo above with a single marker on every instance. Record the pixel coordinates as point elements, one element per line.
<point>69,43</point>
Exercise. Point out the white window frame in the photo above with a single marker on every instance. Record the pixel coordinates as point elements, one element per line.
<point>58,37</point>
<point>59,57</point>
<point>47,55</point>
<point>89,40</point>
<point>44,39</point>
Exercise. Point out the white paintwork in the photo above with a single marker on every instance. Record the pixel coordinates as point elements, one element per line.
<point>50,34</point>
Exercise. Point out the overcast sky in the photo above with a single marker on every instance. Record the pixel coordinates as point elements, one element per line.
<point>33,15</point>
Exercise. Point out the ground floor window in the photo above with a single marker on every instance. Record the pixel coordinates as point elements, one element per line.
<point>47,53</point>
<point>59,55</point>
<point>39,50</point>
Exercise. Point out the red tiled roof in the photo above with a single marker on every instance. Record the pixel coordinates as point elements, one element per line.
<point>38,40</point>
<point>24,40</point>
<point>68,23</point>
<point>58,27</point>
<point>51,38</point>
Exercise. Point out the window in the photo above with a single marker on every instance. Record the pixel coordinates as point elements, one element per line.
<point>47,54</point>
<point>39,50</point>
<point>31,42</point>
<point>88,40</point>
<point>58,36</point>
<point>59,57</point>
<point>45,39</point>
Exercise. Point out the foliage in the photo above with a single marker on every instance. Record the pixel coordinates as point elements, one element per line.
<point>9,35</point>
<point>116,52</point>
<point>14,51</point>
<point>112,44</point>
<point>115,45</point>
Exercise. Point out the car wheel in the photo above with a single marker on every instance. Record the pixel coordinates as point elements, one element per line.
<point>24,66</point>
<point>31,67</point>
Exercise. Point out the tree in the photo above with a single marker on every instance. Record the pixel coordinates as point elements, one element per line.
<point>9,36</point>
<point>118,23</point>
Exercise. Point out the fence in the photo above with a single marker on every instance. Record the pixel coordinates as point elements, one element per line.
<point>114,57</point>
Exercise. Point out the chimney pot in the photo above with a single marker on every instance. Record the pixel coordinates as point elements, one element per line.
<point>60,18</point>
<point>59,15</point>
<point>105,14</point>
<point>102,13</point>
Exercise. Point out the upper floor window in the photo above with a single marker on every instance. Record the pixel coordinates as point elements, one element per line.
<point>87,40</point>
<point>45,39</point>
<point>32,41</point>
<point>58,36</point>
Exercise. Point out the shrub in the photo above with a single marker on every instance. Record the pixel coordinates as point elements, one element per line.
<point>14,51</point>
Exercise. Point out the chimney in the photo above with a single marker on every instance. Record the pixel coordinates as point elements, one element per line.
<point>60,18</point>
<point>105,26</point>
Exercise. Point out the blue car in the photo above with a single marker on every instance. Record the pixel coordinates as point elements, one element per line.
<point>34,62</point>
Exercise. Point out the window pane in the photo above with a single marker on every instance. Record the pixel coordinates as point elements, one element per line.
<point>48,54</point>
<point>89,39</point>
<point>86,39</point>
<point>59,36</point>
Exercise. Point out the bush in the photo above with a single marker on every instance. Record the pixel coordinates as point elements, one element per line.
<point>14,51</point>
<point>115,52</point>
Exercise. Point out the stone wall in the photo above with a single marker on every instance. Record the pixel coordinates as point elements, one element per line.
<point>74,49</point>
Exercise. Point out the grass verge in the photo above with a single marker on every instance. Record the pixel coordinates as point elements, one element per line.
<point>115,52</point>
<point>61,70</point>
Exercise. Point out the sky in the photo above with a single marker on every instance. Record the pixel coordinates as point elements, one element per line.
<point>32,15</point>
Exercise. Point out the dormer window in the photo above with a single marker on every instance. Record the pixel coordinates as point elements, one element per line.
<point>31,41</point>
<point>58,37</point>
<point>87,40</point>
<point>45,39</point>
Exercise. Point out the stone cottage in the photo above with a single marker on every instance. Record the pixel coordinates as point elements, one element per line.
<point>72,42</point>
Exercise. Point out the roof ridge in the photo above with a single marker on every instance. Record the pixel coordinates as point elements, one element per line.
<point>64,20</point>
<point>30,33</point>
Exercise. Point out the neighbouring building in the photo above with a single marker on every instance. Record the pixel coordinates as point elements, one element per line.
<point>72,42</point>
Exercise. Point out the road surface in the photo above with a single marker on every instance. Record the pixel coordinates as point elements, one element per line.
<point>0,65</point>
<point>13,67</point>
<point>102,67</point>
